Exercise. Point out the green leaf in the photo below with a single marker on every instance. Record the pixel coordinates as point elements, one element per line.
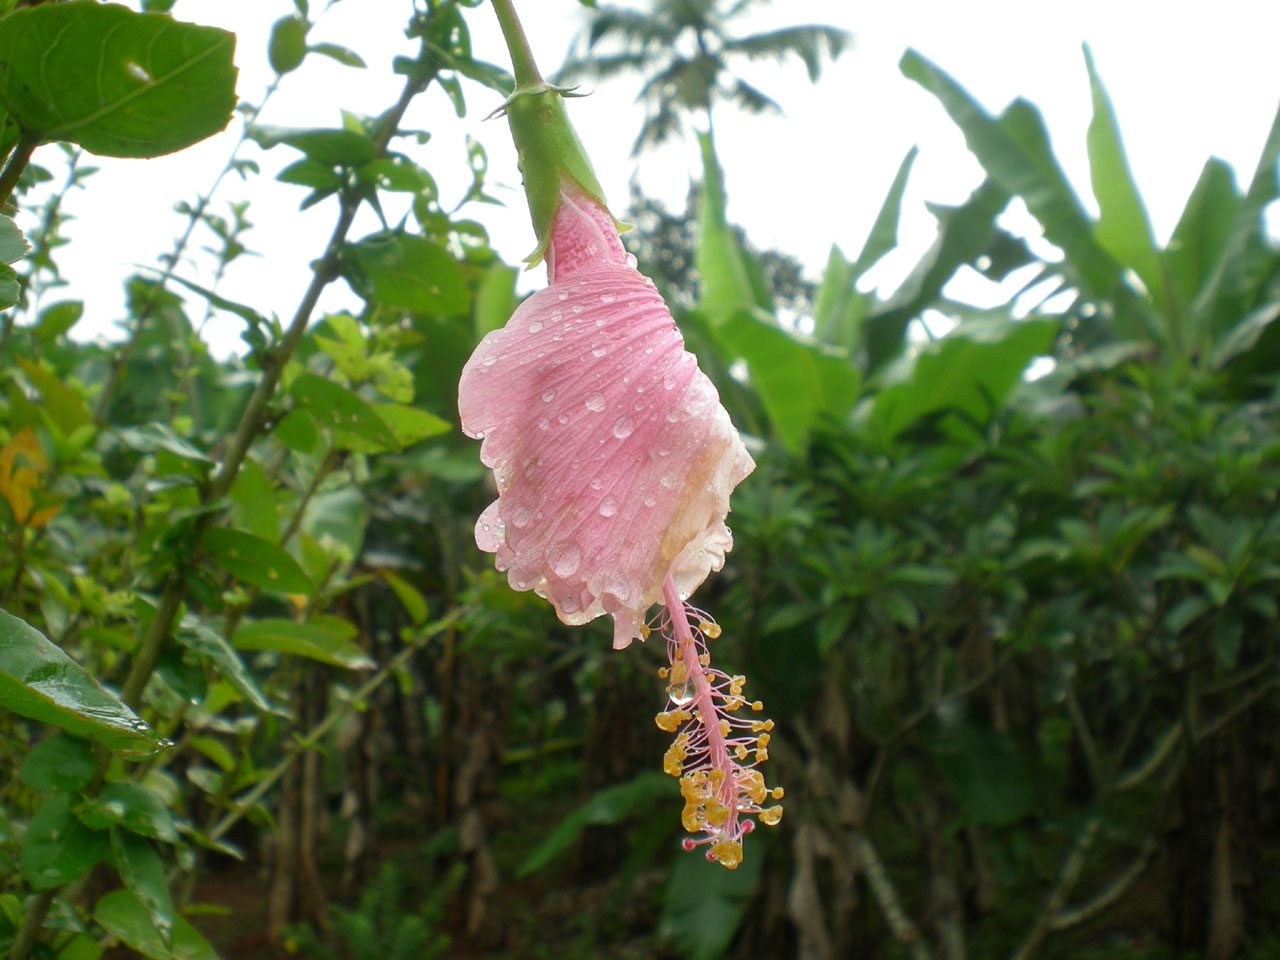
<point>971,371</point>
<point>57,319</point>
<point>143,875</point>
<point>414,603</point>
<point>131,806</point>
<point>13,245</point>
<point>160,436</point>
<point>255,500</point>
<point>406,271</point>
<point>256,561</point>
<point>288,45</point>
<point>333,51</point>
<point>60,763</point>
<point>326,639</point>
<point>410,425</point>
<point>122,916</point>
<point>337,407</point>
<point>1203,229</point>
<point>57,848</point>
<point>214,648</point>
<point>1123,228</point>
<point>991,778</point>
<point>297,431</point>
<point>64,406</point>
<point>1015,153</point>
<point>704,903</point>
<point>10,289</point>
<point>608,805</point>
<point>495,298</point>
<point>39,681</point>
<point>884,231</point>
<point>146,84</point>
<point>724,284</point>
<point>331,148</point>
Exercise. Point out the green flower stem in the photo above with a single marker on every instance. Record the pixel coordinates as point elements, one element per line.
<point>526,71</point>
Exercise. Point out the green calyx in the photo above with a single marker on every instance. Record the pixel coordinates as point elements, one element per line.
<point>550,155</point>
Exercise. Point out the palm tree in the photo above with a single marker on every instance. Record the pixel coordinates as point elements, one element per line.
<point>685,50</point>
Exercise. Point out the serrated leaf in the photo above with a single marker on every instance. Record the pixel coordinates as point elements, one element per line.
<point>13,245</point>
<point>148,84</point>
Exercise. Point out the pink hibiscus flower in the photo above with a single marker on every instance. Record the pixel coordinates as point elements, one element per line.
<point>613,457</point>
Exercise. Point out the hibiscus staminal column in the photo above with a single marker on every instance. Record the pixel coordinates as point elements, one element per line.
<point>614,461</point>
<point>716,750</point>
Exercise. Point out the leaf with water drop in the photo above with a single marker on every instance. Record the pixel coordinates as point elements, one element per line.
<point>143,874</point>
<point>144,83</point>
<point>39,681</point>
<point>257,561</point>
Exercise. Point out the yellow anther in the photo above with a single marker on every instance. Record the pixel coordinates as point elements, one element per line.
<point>758,705</point>
<point>757,726</point>
<point>735,688</point>
<point>741,752</point>
<point>710,628</point>
<point>693,786</point>
<point>644,631</point>
<point>705,659</point>
<point>728,853</point>
<point>715,776</point>
<point>717,812</point>
<point>725,728</point>
<point>693,817</point>
<point>669,720</point>
<point>771,816</point>
<point>662,672</point>
<point>763,740</point>
<point>777,793</point>
<point>732,704</point>
<point>739,679</point>
<point>679,673</point>
<point>768,724</point>
<point>752,784</point>
<point>761,754</point>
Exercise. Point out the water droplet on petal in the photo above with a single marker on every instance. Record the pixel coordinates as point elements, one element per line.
<point>563,418</point>
<point>608,297</point>
<point>596,483</point>
<point>623,427</point>
<point>564,558</point>
<point>489,361</point>
<point>535,327</point>
<point>608,507</point>
<point>570,605</point>
<point>520,517</point>
<point>669,482</point>
<point>564,294</point>
<point>556,316</point>
<point>599,350</point>
<point>595,402</point>
<point>548,395</point>
<point>650,500</point>
<point>577,308</point>
<point>544,424</point>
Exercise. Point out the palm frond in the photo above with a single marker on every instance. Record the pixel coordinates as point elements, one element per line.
<point>658,129</point>
<point>635,30</point>
<point>807,43</point>
<point>751,99</point>
<point>687,82</point>
<point>602,68</point>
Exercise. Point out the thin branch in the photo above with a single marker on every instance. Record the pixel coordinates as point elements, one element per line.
<point>1240,706</point>
<point>1084,735</point>
<point>1109,894</point>
<point>1067,877</point>
<point>903,928</point>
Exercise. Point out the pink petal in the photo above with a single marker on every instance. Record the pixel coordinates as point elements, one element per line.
<point>613,457</point>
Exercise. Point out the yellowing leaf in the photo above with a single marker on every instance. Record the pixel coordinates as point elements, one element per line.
<point>18,477</point>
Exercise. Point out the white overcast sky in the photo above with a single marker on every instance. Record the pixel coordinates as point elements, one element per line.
<point>1187,79</point>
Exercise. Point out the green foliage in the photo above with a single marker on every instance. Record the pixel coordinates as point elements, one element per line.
<point>152,85</point>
